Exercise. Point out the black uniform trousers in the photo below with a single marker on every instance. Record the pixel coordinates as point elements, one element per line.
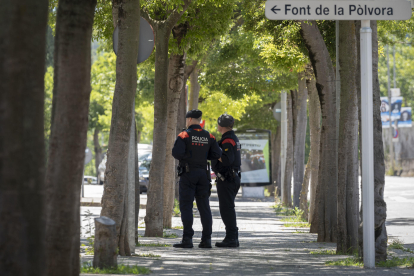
<point>227,191</point>
<point>195,184</point>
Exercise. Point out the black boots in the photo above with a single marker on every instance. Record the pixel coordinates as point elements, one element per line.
<point>228,243</point>
<point>185,243</point>
<point>205,244</point>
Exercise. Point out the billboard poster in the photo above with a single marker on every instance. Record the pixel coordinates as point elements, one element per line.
<point>406,117</point>
<point>396,103</point>
<point>255,157</point>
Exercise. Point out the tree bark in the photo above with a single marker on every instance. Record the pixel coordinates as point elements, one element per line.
<point>275,147</point>
<point>154,216</point>
<point>105,246</point>
<point>114,197</point>
<point>287,188</point>
<point>315,129</point>
<point>304,192</point>
<point>175,86</point>
<point>348,190</point>
<point>182,110</point>
<point>68,134</point>
<point>137,186</point>
<point>299,108</point>
<point>379,164</point>
<point>328,173</point>
<point>195,89</point>
<point>98,151</point>
<point>22,152</point>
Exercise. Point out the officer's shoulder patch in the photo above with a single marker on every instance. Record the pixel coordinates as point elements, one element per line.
<point>212,136</point>
<point>226,149</point>
<point>183,135</point>
<point>230,141</point>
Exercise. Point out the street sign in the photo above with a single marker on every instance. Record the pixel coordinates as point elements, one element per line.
<point>146,40</point>
<point>277,112</point>
<point>338,10</point>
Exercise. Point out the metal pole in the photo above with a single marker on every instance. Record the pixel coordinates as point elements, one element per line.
<point>338,88</point>
<point>283,129</point>
<point>367,145</point>
<point>395,81</point>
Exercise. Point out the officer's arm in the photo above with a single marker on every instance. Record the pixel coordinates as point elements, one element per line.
<point>227,158</point>
<point>178,150</point>
<point>214,152</point>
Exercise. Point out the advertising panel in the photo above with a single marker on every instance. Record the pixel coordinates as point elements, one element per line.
<point>401,115</point>
<point>255,157</point>
<point>406,117</point>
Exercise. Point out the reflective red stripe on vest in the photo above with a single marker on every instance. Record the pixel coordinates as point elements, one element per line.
<point>230,141</point>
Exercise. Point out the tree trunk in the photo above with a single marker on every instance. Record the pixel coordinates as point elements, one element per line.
<point>315,129</point>
<point>162,29</point>
<point>348,190</point>
<point>287,185</point>
<point>379,164</point>
<point>328,173</point>
<point>299,108</point>
<point>22,152</point>
<point>72,90</point>
<point>105,246</point>
<point>195,89</point>
<point>277,167</point>
<point>182,110</point>
<point>176,82</point>
<point>154,216</point>
<point>275,146</point>
<point>98,150</point>
<point>137,186</point>
<point>114,198</point>
<point>304,192</point>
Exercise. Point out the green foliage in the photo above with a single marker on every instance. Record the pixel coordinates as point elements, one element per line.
<point>87,267</point>
<point>396,31</point>
<point>404,73</point>
<point>158,244</point>
<point>48,103</point>
<point>169,235</point>
<point>176,209</point>
<point>398,244</point>
<point>146,255</point>
<point>283,210</point>
<point>178,227</point>
<point>324,252</point>
<point>351,261</point>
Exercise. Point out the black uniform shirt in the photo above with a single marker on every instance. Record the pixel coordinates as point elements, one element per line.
<point>231,157</point>
<point>195,146</point>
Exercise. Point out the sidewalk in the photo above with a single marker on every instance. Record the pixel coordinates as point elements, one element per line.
<point>266,248</point>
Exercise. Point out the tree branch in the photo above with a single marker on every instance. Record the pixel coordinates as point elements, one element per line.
<point>175,15</point>
<point>146,16</point>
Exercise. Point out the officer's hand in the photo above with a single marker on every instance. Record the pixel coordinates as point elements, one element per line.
<point>220,160</point>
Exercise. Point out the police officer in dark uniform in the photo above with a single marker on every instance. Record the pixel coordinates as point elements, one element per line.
<point>192,148</point>
<point>227,170</point>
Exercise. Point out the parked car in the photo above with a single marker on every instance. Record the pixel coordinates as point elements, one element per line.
<point>90,179</point>
<point>144,161</point>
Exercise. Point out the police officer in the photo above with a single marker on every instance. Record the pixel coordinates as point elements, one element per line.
<point>227,170</point>
<point>192,148</point>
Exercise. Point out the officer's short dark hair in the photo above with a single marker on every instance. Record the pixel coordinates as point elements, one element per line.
<point>226,120</point>
<point>195,113</point>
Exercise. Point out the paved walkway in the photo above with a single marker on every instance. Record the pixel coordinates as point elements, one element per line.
<point>266,248</point>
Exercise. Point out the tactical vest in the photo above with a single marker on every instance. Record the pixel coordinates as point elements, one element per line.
<point>234,141</point>
<point>197,148</point>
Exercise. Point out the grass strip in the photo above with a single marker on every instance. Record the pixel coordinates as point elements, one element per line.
<point>158,244</point>
<point>120,269</point>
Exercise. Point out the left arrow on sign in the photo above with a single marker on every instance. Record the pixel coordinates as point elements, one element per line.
<point>274,9</point>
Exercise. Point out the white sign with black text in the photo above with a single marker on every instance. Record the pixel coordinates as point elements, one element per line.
<point>338,10</point>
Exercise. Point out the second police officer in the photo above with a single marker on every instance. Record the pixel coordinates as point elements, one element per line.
<point>227,170</point>
<point>192,148</point>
